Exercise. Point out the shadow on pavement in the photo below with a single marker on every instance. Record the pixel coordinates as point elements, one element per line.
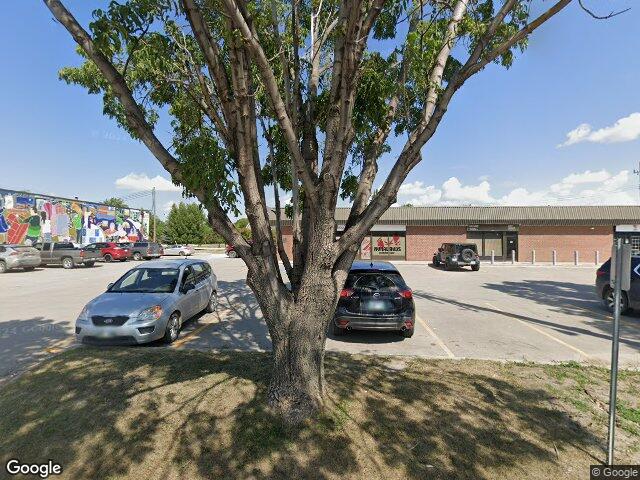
<point>23,342</point>
<point>630,335</point>
<point>572,299</point>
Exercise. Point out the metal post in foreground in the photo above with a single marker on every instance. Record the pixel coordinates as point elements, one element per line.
<point>597,257</point>
<point>153,207</point>
<point>533,257</point>
<point>513,256</point>
<point>493,256</point>
<point>575,257</point>
<point>555,257</point>
<point>620,279</point>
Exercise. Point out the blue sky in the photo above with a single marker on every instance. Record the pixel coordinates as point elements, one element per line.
<point>498,142</point>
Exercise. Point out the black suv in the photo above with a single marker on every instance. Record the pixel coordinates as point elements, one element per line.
<point>453,255</point>
<point>628,300</point>
<point>375,297</point>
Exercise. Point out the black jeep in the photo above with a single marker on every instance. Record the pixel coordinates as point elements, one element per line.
<point>453,255</point>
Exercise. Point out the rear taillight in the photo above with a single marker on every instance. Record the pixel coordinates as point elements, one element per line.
<point>346,292</point>
<point>406,294</point>
<point>600,273</point>
<point>148,250</point>
<point>81,253</point>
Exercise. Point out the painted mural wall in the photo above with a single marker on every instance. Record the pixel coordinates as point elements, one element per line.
<point>26,218</point>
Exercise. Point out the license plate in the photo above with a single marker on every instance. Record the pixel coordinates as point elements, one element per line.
<point>472,263</point>
<point>376,305</point>
<point>106,333</point>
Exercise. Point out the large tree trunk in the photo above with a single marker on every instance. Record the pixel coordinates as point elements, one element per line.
<point>298,331</point>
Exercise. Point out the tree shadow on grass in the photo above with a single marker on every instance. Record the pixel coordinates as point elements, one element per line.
<point>151,413</point>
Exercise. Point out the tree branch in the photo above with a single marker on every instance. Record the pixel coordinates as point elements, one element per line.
<point>410,155</point>
<point>271,85</point>
<point>138,124</point>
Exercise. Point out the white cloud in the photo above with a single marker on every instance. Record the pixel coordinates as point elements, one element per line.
<point>167,206</point>
<point>454,190</point>
<point>582,188</point>
<point>624,130</point>
<point>141,181</point>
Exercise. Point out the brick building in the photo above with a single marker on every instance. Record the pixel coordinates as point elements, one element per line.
<point>415,233</point>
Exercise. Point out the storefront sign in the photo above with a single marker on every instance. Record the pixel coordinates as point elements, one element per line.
<point>392,245</point>
<point>627,228</point>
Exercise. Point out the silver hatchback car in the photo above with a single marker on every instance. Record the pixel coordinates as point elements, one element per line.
<point>148,303</point>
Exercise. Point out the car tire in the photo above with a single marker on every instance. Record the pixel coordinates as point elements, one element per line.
<point>608,301</point>
<point>408,333</point>
<point>137,256</point>
<point>67,262</point>
<point>3,267</point>
<point>172,331</point>
<point>336,330</point>
<point>447,265</point>
<point>436,262</point>
<point>89,264</point>
<point>108,258</point>
<point>28,269</point>
<point>232,254</point>
<point>213,302</point>
<point>475,268</point>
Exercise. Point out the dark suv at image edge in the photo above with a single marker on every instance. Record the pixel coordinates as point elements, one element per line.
<point>374,297</point>
<point>628,300</point>
<point>453,255</point>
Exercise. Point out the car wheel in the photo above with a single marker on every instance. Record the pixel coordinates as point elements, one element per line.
<point>408,333</point>
<point>609,301</point>
<point>173,329</point>
<point>67,262</point>
<point>447,265</point>
<point>3,267</point>
<point>89,264</point>
<point>336,330</point>
<point>475,268</point>
<point>213,302</point>
<point>137,256</point>
<point>232,254</point>
<point>28,269</point>
<point>436,262</point>
<point>108,258</point>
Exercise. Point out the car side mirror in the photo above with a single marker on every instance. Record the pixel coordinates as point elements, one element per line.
<point>109,286</point>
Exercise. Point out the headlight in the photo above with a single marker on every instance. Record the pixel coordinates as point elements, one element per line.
<point>84,315</point>
<point>454,257</point>
<point>151,313</point>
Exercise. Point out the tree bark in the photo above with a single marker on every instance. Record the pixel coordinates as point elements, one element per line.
<point>298,331</point>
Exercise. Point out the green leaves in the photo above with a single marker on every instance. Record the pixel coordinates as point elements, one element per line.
<point>150,43</point>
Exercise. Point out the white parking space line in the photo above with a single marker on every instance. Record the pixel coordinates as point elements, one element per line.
<point>546,334</point>
<point>440,343</point>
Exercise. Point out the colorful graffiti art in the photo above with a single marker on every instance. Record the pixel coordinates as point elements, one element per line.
<point>27,218</point>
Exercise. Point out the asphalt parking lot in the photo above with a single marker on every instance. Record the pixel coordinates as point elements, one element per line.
<point>521,313</point>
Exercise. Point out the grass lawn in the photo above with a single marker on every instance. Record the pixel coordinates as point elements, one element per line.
<point>143,413</point>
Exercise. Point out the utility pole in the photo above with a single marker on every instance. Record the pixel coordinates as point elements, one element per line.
<point>153,208</point>
<point>637,172</point>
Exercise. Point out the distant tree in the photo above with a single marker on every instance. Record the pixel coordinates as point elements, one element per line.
<point>244,228</point>
<point>115,202</point>
<point>186,223</point>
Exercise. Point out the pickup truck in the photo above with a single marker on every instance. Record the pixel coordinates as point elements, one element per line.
<point>66,254</point>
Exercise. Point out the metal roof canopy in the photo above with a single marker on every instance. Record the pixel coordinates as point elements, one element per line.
<point>581,215</point>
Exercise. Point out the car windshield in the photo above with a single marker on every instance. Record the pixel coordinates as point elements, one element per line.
<point>147,280</point>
